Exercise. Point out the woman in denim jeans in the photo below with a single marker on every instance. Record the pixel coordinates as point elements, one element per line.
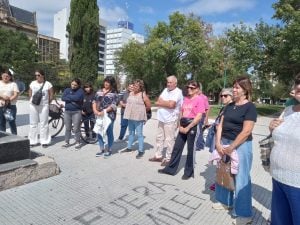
<point>135,111</point>
<point>73,98</point>
<point>8,96</point>
<point>235,131</point>
<point>106,99</point>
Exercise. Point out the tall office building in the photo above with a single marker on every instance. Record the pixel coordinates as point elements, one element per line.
<point>48,48</point>
<point>61,19</point>
<point>102,47</point>
<point>116,39</point>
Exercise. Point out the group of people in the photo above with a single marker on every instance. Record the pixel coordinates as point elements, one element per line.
<point>181,116</point>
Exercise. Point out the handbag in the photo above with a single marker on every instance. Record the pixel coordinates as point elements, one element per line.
<point>54,111</point>
<point>266,146</point>
<point>37,97</point>
<point>224,177</point>
<point>8,115</point>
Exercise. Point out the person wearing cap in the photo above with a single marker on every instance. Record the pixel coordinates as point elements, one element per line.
<point>8,97</point>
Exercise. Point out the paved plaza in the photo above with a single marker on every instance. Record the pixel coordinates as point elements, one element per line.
<point>122,190</point>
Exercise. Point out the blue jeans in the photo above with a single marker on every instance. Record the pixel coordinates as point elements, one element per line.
<point>285,204</point>
<point>137,126</point>
<point>241,198</point>
<point>124,124</point>
<point>110,137</point>
<point>200,140</point>
<point>12,124</point>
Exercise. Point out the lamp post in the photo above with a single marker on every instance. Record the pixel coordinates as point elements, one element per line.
<point>225,74</point>
<point>226,52</point>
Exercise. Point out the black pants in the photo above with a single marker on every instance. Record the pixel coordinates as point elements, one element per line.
<point>180,141</point>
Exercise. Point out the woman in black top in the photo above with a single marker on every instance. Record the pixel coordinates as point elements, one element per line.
<point>87,109</point>
<point>235,133</point>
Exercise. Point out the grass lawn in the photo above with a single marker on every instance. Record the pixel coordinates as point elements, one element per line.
<point>262,110</point>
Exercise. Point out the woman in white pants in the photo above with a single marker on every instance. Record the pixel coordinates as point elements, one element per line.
<point>40,113</point>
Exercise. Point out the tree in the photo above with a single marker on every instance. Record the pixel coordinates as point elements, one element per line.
<point>83,29</point>
<point>18,52</point>
<point>179,47</point>
<point>288,54</point>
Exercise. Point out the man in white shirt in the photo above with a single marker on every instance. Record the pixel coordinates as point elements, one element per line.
<point>169,104</point>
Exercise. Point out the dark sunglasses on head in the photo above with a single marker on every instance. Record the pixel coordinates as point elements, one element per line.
<point>224,96</point>
<point>191,87</point>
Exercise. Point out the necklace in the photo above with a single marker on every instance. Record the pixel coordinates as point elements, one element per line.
<point>238,105</point>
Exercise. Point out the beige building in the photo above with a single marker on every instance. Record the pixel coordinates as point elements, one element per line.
<point>16,19</point>
<point>48,48</point>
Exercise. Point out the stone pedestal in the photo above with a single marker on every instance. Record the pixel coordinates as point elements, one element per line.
<point>13,148</point>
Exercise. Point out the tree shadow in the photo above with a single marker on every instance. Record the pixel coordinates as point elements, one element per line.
<point>209,175</point>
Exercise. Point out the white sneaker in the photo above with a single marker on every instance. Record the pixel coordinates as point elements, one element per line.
<point>77,145</point>
<point>220,206</point>
<point>242,221</point>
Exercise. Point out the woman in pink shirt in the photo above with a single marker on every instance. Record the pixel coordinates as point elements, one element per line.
<point>191,113</point>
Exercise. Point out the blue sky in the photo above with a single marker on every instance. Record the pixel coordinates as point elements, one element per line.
<point>219,13</point>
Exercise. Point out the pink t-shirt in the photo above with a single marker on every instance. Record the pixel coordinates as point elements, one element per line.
<point>205,100</point>
<point>192,106</point>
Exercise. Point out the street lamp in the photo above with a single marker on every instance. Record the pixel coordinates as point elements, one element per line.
<point>226,51</point>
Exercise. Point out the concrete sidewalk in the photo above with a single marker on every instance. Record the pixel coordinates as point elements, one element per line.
<point>123,190</point>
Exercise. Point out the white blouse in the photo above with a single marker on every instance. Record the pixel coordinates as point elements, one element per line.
<point>35,86</point>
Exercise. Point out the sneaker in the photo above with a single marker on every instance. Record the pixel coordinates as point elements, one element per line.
<point>154,159</point>
<point>139,155</point>
<point>100,153</point>
<point>242,221</point>
<point>66,145</point>
<point>165,163</point>
<point>212,187</point>
<point>78,145</point>
<point>220,206</point>
<point>127,150</point>
<point>107,154</point>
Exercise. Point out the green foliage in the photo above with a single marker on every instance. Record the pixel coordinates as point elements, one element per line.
<point>178,47</point>
<point>83,31</point>
<point>19,53</point>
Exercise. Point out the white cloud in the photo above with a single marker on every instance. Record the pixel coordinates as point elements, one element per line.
<point>207,7</point>
<point>113,15</point>
<point>45,11</point>
<point>146,9</point>
<point>220,27</point>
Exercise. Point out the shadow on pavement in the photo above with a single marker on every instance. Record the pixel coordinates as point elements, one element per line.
<point>22,119</point>
<point>262,195</point>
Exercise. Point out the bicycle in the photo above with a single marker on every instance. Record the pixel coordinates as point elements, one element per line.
<point>56,124</point>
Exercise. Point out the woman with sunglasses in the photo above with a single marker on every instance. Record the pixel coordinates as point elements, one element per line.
<point>235,132</point>
<point>192,110</point>
<point>106,101</point>
<point>226,98</point>
<point>40,113</point>
<point>8,97</point>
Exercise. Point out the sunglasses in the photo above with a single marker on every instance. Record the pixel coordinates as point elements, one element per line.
<point>225,96</point>
<point>38,75</point>
<point>191,87</point>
